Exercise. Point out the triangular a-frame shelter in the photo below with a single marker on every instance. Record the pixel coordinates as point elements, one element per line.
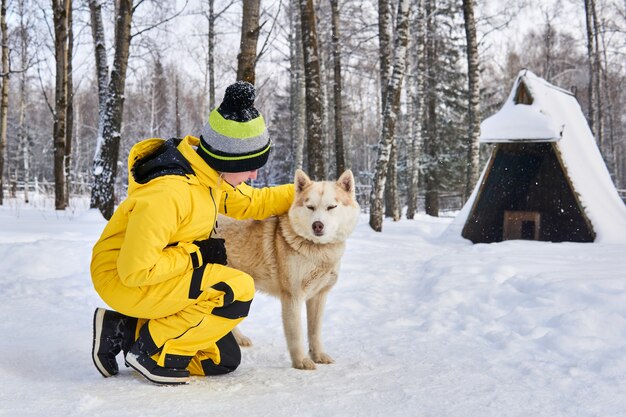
<point>546,179</point>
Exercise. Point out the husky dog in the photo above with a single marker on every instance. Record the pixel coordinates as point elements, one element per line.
<point>296,256</point>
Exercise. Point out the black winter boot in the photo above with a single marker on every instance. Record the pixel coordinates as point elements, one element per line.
<point>112,333</point>
<point>139,358</point>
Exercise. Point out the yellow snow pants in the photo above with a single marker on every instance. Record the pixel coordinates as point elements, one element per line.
<point>190,316</point>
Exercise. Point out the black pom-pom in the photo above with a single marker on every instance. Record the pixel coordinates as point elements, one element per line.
<point>238,102</point>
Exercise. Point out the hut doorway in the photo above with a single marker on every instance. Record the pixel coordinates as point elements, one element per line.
<point>526,195</point>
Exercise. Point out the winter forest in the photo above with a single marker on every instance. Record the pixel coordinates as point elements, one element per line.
<point>393,89</point>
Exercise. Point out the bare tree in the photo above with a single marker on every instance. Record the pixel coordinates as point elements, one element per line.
<point>611,131</point>
<point>431,180</point>
<point>22,133</point>
<point>209,74</point>
<point>210,61</point>
<point>178,130</point>
<point>69,110</point>
<point>159,99</point>
<point>392,109</point>
<point>100,52</point>
<point>60,9</point>
<point>246,60</point>
<point>111,112</point>
<point>473,116</point>
<point>297,90</point>
<point>416,101</point>
<point>316,167</point>
<point>109,129</point>
<point>392,200</point>
<point>340,156</point>
<point>384,49</point>
<point>593,55</point>
<point>4,93</point>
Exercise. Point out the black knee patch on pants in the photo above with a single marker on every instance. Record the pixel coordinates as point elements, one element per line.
<point>234,310</point>
<point>230,355</point>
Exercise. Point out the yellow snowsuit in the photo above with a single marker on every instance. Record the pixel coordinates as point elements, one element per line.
<point>142,264</point>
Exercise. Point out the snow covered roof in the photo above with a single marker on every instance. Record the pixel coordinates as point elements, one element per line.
<point>520,122</point>
<point>528,114</point>
<point>554,115</point>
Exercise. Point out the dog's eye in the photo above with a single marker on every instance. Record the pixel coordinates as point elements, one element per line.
<point>311,207</point>
<point>332,207</point>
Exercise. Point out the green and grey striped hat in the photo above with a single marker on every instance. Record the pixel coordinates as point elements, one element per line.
<point>235,138</point>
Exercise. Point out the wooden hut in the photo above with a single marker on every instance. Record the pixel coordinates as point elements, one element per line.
<point>546,179</point>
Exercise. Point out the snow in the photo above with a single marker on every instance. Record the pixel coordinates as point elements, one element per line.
<point>98,170</point>
<point>420,323</point>
<point>519,122</point>
<point>555,111</point>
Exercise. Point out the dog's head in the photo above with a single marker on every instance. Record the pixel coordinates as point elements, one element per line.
<point>324,211</point>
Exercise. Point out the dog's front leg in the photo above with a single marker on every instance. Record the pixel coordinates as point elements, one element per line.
<point>291,308</point>
<point>315,309</point>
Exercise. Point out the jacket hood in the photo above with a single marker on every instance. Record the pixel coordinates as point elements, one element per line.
<point>175,158</point>
<point>153,158</point>
<point>164,160</point>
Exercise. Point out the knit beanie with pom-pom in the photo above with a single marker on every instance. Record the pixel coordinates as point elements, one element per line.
<point>235,138</point>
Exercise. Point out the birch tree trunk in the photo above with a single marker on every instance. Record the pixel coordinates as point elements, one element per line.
<point>340,157</point>
<point>384,49</point>
<point>69,111</point>
<point>22,130</point>
<point>159,99</point>
<point>591,67</point>
<point>392,202</point>
<point>60,10</point>
<point>102,67</point>
<point>392,108</point>
<point>473,131</point>
<point>297,88</point>
<point>416,98</point>
<point>211,56</point>
<point>107,148</point>
<point>316,168</point>
<point>246,59</point>
<point>412,151</point>
<point>4,93</point>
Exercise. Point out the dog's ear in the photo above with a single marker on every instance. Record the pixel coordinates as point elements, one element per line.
<point>301,180</point>
<point>346,181</point>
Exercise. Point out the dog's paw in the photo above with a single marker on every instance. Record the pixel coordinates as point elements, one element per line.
<point>241,339</point>
<point>321,358</point>
<point>244,341</point>
<point>304,364</point>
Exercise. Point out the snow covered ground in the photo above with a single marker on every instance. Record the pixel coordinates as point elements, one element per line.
<point>419,325</point>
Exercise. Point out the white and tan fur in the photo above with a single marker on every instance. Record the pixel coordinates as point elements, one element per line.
<point>296,257</point>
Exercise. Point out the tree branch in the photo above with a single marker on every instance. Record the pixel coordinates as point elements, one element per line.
<point>263,48</point>
<point>158,23</point>
<point>43,90</point>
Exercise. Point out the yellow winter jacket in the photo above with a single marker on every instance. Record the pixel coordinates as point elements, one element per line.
<point>173,199</point>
